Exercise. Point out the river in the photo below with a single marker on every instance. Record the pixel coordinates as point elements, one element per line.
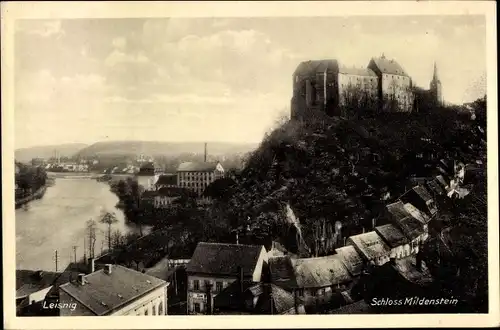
<point>57,222</point>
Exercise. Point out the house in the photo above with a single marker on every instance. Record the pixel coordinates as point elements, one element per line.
<point>421,199</point>
<point>146,174</point>
<point>351,259</point>
<point>314,279</point>
<point>33,286</point>
<point>371,247</point>
<point>412,228</point>
<point>166,197</point>
<point>114,290</point>
<point>196,176</point>
<point>260,298</point>
<point>168,180</point>
<point>214,266</point>
<point>395,239</point>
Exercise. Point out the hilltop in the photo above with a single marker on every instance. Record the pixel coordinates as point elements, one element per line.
<point>65,150</point>
<point>157,148</point>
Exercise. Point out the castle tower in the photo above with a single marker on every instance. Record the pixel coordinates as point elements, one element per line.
<point>436,88</point>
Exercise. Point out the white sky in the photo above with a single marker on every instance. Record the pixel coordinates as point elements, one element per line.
<point>212,79</point>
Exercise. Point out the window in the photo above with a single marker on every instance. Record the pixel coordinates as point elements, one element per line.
<point>313,293</point>
<point>196,285</point>
<point>160,308</point>
<point>146,312</point>
<point>197,308</point>
<point>154,310</point>
<point>300,292</point>
<point>218,286</point>
<point>207,283</point>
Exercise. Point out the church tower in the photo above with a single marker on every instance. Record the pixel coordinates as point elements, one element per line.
<point>436,88</point>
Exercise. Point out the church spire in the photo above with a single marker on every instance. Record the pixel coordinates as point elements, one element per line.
<point>435,74</point>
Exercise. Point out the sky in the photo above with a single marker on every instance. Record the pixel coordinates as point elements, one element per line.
<point>212,79</point>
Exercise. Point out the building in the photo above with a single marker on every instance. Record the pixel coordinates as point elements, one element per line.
<point>412,228</point>
<point>214,266</point>
<point>196,176</point>
<point>33,286</point>
<point>435,88</point>
<point>167,180</point>
<point>114,290</point>
<point>249,298</point>
<point>371,247</point>
<point>395,239</point>
<point>420,197</point>
<point>147,173</point>
<point>315,280</point>
<point>351,259</point>
<point>394,85</point>
<point>325,86</point>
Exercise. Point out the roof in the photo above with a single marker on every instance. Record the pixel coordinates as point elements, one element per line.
<point>103,293</point>
<point>231,298</point>
<point>442,181</point>
<point>282,273</point>
<point>422,193</point>
<point>311,67</point>
<point>397,210</point>
<point>320,272</point>
<point>223,259</point>
<point>417,214</point>
<point>411,227</point>
<point>391,235</point>
<point>357,71</point>
<point>29,281</point>
<point>197,167</point>
<point>370,245</point>
<point>351,259</point>
<point>388,66</point>
<point>167,179</point>
<point>435,187</point>
<point>170,191</point>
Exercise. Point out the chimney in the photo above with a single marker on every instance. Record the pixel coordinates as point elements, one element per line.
<point>240,278</point>
<point>205,158</point>
<point>81,279</point>
<point>108,269</point>
<point>208,288</point>
<point>91,265</point>
<point>296,301</point>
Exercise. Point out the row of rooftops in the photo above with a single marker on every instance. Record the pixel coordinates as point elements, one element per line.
<point>377,65</point>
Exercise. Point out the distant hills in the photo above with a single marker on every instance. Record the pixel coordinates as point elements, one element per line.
<point>25,155</point>
<point>131,148</point>
<point>157,148</point>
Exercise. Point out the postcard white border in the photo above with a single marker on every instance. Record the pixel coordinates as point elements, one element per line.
<point>65,10</point>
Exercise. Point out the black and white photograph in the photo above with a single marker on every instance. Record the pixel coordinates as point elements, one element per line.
<point>231,165</point>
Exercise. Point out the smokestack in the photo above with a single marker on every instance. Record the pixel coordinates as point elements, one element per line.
<point>205,158</point>
<point>91,265</point>
<point>108,269</point>
<point>208,288</point>
<point>81,279</point>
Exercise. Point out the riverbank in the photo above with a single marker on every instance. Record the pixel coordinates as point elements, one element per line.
<point>36,195</point>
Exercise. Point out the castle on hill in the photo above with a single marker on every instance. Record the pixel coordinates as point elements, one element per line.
<point>326,86</point>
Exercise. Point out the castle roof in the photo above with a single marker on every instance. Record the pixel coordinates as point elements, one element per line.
<point>357,71</point>
<point>311,67</point>
<point>389,66</point>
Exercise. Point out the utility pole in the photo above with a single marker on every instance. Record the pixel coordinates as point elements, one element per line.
<point>74,251</point>
<point>56,260</point>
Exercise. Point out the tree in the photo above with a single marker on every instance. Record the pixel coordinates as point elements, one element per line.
<point>90,232</point>
<point>118,239</point>
<point>108,218</point>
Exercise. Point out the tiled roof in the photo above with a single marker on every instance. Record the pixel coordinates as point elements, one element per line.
<point>417,214</point>
<point>29,281</point>
<point>389,66</point>
<point>167,179</point>
<point>311,67</point>
<point>397,210</point>
<point>223,259</point>
<point>351,259</point>
<point>422,193</point>
<point>411,227</point>
<point>370,245</point>
<point>197,167</point>
<point>282,274</point>
<point>391,235</point>
<point>102,293</point>
<point>357,71</point>
<point>320,272</point>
